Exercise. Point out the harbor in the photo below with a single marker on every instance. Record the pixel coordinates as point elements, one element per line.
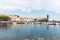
<point>29,19</point>
<point>29,32</point>
<point>15,19</point>
<point>43,23</point>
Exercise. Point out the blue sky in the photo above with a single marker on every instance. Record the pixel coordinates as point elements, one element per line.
<point>31,8</point>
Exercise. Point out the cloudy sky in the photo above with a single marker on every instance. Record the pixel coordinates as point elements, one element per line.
<point>31,8</point>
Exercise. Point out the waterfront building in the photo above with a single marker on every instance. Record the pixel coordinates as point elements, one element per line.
<point>47,17</point>
<point>42,19</point>
<point>17,18</point>
<point>27,19</point>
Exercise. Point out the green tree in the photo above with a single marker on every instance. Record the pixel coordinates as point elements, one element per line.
<point>5,18</point>
<point>17,16</point>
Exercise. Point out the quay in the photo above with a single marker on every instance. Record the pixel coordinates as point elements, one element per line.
<point>43,23</point>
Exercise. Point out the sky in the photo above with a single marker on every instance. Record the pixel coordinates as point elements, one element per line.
<point>31,8</point>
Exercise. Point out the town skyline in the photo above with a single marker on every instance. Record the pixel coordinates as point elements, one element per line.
<point>45,16</point>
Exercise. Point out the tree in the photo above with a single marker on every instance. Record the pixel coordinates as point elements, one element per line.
<point>17,16</point>
<point>5,18</point>
<point>35,20</point>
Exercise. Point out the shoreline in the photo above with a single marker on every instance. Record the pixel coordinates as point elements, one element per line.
<point>12,22</point>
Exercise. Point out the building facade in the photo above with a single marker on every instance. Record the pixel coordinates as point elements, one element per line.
<point>26,19</point>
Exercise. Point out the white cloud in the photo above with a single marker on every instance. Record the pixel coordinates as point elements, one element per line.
<point>14,4</point>
<point>27,5</point>
<point>36,4</point>
<point>56,5</point>
<point>7,7</point>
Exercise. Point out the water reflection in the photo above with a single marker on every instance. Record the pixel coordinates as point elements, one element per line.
<point>47,26</point>
<point>29,32</point>
<point>4,26</point>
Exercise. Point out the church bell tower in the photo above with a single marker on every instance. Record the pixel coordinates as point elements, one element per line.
<point>47,17</point>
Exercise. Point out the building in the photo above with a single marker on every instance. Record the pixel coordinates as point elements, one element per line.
<point>47,17</point>
<point>42,19</point>
<point>26,19</point>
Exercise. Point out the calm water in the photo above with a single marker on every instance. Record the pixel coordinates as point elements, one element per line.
<point>29,32</point>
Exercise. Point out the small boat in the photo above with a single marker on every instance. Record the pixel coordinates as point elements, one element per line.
<point>51,23</point>
<point>14,22</point>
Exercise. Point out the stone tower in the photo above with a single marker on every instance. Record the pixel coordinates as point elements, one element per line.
<point>47,17</point>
